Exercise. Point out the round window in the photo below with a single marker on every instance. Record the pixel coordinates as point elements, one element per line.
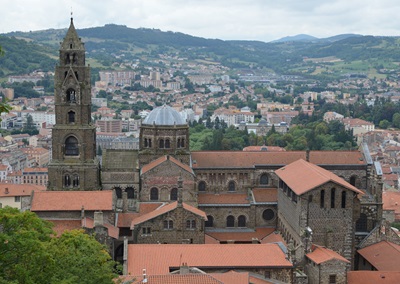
<point>268,214</point>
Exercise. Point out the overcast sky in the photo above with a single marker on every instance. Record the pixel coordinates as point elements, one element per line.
<point>263,20</point>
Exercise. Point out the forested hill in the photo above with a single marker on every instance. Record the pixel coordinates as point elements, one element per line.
<point>38,49</point>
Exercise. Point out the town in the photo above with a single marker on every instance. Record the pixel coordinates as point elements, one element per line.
<point>133,158</point>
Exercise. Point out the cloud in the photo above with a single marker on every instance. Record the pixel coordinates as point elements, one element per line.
<point>225,19</point>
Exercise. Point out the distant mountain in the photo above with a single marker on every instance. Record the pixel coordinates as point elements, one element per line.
<point>300,37</point>
<point>339,37</point>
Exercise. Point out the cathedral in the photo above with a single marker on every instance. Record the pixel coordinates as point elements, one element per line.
<point>164,193</point>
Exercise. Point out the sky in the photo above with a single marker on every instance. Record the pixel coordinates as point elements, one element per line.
<point>263,20</point>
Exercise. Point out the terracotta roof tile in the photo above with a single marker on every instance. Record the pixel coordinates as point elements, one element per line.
<point>159,258</point>
<point>62,225</point>
<point>232,277</point>
<point>210,240</point>
<point>164,209</point>
<point>19,189</point>
<point>265,194</point>
<point>302,176</point>
<point>225,198</point>
<point>239,236</point>
<point>391,201</point>
<point>125,219</point>
<point>163,159</point>
<point>273,238</point>
<point>321,254</point>
<point>197,278</point>
<point>72,200</point>
<point>241,159</point>
<point>384,256</point>
<point>264,148</point>
<point>373,277</point>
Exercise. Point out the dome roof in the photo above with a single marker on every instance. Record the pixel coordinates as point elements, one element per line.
<point>262,122</point>
<point>164,115</point>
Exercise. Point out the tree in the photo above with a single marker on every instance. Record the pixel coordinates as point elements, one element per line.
<point>384,124</point>
<point>396,120</point>
<point>29,253</point>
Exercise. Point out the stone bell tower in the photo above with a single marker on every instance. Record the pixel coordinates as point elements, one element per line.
<point>74,165</point>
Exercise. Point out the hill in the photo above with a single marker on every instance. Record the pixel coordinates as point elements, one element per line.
<point>113,43</point>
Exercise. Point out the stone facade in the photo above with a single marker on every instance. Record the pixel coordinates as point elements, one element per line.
<point>332,271</point>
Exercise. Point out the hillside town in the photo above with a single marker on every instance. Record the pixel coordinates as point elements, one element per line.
<point>114,158</point>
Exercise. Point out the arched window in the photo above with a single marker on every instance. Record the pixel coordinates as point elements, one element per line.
<point>75,181</point>
<point>210,221</point>
<point>174,194</point>
<point>167,144</point>
<point>71,95</point>
<point>231,186</point>
<point>71,146</point>
<point>118,192</point>
<point>178,143</point>
<point>131,192</point>
<point>322,199</point>
<point>202,186</point>
<point>183,142</point>
<point>333,193</point>
<point>145,143</point>
<point>264,179</point>
<point>242,221</point>
<point>67,180</point>
<point>154,194</point>
<point>149,143</point>
<point>168,224</point>
<point>362,223</point>
<point>161,143</point>
<point>190,224</point>
<point>343,199</point>
<point>268,214</point>
<point>230,221</point>
<point>71,116</point>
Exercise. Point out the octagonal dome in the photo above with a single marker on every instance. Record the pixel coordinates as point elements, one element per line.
<point>164,115</point>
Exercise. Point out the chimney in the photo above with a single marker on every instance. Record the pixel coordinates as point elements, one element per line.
<point>124,202</point>
<point>144,276</point>
<point>184,269</point>
<point>308,155</point>
<point>6,190</point>
<point>98,219</point>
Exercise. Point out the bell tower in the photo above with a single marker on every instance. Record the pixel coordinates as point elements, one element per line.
<point>74,164</point>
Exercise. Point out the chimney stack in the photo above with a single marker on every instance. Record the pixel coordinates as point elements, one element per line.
<point>98,219</point>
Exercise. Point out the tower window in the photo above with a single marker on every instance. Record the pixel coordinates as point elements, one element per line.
<point>202,186</point>
<point>190,224</point>
<point>75,182</point>
<point>178,143</point>
<point>183,142</point>
<point>231,186</point>
<point>149,143</point>
<point>174,194</point>
<point>322,199</point>
<point>71,116</point>
<point>71,146</point>
<point>118,192</point>
<point>230,221</point>
<point>146,144</point>
<point>333,193</point>
<point>210,221</point>
<point>67,181</point>
<point>154,194</point>
<point>161,144</point>
<point>343,199</point>
<point>264,179</point>
<point>242,221</point>
<point>71,96</point>
<point>167,144</point>
<point>131,192</point>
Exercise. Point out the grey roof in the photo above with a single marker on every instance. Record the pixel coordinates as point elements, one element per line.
<point>164,115</point>
<point>262,122</point>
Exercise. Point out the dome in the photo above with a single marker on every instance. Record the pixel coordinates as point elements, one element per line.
<point>263,122</point>
<point>164,115</point>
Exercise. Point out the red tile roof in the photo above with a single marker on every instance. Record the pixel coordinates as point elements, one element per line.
<point>302,176</point>
<point>159,258</point>
<point>321,254</point>
<point>232,277</point>
<point>384,256</point>
<point>62,225</point>
<point>163,159</point>
<point>241,159</point>
<point>19,189</point>
<point>125,219</point>
<point>239,236</point>
<point>72,200</point>
<point>391,201</point>
<point>373,277</point>
<point>264,148</point>
<point>177,279</point>
<point>273,238</point>
<point>265,194</point>
<point>224,198</point>
<point>164,209</point>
